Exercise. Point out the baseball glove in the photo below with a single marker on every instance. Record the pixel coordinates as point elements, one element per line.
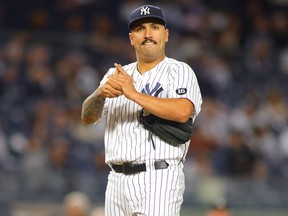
<point>170,131</point>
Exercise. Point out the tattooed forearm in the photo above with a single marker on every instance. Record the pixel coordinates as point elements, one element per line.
<point>92,108</point>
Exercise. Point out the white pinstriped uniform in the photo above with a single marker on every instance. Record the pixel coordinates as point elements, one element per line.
<point>154,192</point>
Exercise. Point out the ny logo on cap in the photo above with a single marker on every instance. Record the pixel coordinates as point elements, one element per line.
<point>145,11</point>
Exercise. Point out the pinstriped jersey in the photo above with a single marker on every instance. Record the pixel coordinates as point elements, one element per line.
<point>125,139</point>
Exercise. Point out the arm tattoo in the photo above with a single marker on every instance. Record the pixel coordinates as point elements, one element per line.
<point>92,108</point>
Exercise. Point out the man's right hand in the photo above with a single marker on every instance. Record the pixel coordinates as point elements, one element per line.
<point>111,88</point>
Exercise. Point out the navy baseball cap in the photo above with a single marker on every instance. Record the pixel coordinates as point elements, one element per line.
<point>146,11</point>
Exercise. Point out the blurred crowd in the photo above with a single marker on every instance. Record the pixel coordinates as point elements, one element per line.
<point>53,54</point>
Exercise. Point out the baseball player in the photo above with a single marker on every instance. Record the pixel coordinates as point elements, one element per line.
<point>146,175</point>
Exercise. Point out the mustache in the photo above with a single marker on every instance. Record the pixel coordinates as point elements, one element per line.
<point>148,40</point>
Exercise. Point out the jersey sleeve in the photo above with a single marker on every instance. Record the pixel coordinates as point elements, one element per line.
<point>184,84</point>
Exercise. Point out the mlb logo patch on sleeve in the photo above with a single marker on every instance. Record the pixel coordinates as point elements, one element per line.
<point>181,91</point>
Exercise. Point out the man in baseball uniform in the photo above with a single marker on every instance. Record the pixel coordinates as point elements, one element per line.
<point>146,175</point>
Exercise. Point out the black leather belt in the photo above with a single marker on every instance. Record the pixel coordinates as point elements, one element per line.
<point>131,168</point>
